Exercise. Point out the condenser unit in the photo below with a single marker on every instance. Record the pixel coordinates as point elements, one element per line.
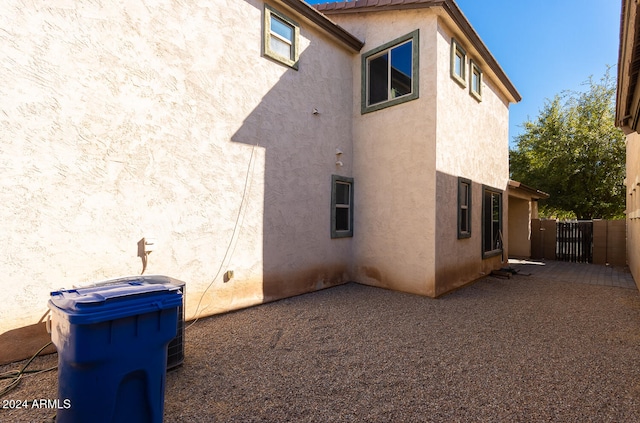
<point>175,349</point>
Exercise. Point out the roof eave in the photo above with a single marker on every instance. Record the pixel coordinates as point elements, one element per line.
<point>320,20</point>
<point>624,59</point>
<point>535,194</point>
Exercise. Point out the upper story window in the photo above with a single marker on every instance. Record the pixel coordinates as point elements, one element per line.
<point>475,87</point>
<point>390,73</point>
<point>458,63</point>
<point>281,36</point>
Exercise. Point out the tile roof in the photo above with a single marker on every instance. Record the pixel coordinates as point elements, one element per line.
<point>449,6</point>
<point>360,4</point>
<point>311,13</point>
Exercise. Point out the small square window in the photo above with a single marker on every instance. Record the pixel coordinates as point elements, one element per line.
<point>464,208</point>
<point>390,73</point>
<point>475,87</point>
<point>458,63</point>
<point>341,206</point>
<point>281,36</point>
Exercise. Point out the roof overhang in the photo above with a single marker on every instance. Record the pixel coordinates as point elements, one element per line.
<point>318,19</point>
<point>527,191</point>
<point>452,11</point>
<point>628,90</point>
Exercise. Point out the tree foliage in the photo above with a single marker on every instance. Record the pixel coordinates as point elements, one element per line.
<point>574,152</point>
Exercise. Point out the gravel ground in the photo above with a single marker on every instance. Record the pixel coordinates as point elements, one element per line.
<point>525,349</point>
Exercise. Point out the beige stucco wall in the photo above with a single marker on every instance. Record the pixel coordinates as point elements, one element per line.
<point>394,165</point>
<point>133,120</point>
<point>633,205</point>
<point>519,227</point>
<point>473,142</point>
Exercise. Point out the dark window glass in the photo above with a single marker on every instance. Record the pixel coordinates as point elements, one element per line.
<point>342,219</point>
<point>378,79</point>
<point>401,69</point>
<point>342,193</point>
<point>492,221</point>
<point>464,208</point>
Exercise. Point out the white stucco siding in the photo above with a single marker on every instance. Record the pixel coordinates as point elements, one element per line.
<point>473,136</point>
<point>164,120</point>
<point>473,143</point>
<point>394,164</point>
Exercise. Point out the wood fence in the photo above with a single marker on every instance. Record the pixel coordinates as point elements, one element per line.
<point>597,241</point>
<point>574,241</point>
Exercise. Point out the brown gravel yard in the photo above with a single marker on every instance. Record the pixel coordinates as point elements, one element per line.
<point>545,347</point>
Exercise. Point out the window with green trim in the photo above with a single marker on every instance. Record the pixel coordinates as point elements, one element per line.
<point>281,36</point>
<point>390,73</point>
<point>458,63</point>
<point>341,206</point>
<point>475,87</point>
<point>491,222</point>
<point>464,208</point>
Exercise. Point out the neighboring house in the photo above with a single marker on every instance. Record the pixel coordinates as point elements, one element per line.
<point>523,207</point>
<point>628,119</point>
<point>265,148</point>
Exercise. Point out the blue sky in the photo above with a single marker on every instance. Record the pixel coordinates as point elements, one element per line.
<point>545,46</point>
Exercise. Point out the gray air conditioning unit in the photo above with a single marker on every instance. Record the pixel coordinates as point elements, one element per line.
<point>175,350</point>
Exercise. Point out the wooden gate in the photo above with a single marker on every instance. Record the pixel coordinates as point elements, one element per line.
<point>574,241</point>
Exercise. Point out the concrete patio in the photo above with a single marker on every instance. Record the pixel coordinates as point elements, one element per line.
<point>562,345</point>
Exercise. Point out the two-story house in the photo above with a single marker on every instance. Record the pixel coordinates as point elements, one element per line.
<point>262,148</point>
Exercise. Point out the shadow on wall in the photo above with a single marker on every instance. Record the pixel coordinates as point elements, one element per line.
<point>25,341</point>
<point>298,125</point>
<point>459,258</point>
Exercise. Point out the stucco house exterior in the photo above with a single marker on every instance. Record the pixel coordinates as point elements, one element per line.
<point>628,119</point>
<point>523,208</point>
<point>431,172</point>
<point>255,149</point>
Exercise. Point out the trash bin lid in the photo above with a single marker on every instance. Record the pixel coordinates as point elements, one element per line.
<point>97,304</point>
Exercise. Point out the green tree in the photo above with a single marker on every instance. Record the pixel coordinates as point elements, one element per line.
<point>574,152</point>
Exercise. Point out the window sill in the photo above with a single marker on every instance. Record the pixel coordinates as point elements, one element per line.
<point>493,253</point>
<point>389,103</point>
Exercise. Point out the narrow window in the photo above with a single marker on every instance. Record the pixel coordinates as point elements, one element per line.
<point>491,222</point>
<point>280,38</point>
<point>475,88</point>
<point>458,63</point>
<point>390,73</point>
<point>341,206</point>
<point>464,208</point>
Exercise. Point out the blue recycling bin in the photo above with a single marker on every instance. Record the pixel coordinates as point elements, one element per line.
<point>112,350</point>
